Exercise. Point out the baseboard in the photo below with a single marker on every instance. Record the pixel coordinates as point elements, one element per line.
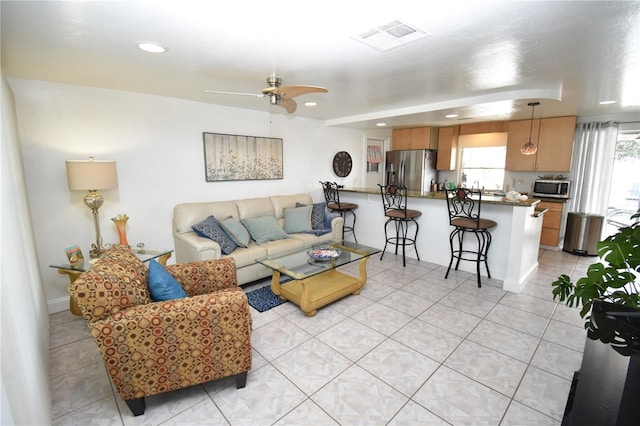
<point>516,286</point>
<point>58,305</point>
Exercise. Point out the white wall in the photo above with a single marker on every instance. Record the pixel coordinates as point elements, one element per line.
<point>157,143</point>
<point>25,321</point>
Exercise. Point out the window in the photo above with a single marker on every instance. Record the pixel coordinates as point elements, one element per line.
<point>483,167</point>
<point>624,196</point>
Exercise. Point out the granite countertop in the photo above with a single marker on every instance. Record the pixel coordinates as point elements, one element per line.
<point>489,199</point>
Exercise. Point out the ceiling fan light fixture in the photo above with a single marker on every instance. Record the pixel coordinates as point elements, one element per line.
<point>310,104</point>
<point>530,148</point>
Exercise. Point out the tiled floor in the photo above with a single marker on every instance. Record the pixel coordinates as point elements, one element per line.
<point>412,349</point>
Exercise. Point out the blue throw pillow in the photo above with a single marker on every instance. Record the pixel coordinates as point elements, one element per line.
<point>317,215</point>
<point>162,285</point>
<point>210,228</point>
<point>236,231</point>
<point>297,220</point>
<point>264,229</point>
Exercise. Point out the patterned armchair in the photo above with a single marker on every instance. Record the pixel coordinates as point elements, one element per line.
<point>154,347</point>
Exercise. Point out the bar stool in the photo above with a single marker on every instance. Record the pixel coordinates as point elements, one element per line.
<point>464,216</point>
<point>394,201</point>
<point>332,197</point>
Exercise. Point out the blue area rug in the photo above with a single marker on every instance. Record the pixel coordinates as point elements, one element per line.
<point>263,299</point>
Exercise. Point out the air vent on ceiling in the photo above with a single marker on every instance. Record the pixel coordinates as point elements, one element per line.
<point>392,35</point>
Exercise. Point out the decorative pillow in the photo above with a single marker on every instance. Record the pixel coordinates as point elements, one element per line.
<point>264,229</point>
<point>236,231</point>
<point>317,215</point>
<point>210,228</point>
<point>297,220</point>
<point>162,285</point>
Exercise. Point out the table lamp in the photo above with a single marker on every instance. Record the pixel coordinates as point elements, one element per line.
<point>92,175</point>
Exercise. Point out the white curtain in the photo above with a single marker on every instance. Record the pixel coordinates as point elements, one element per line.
<point>592,165</point>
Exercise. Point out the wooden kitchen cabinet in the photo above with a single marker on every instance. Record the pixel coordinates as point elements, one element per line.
<point>415,138</point>
<point>484,127</point>
<point>550,235</point>
<point>554,138</point>
<point>517,136</point>
<point>556,144</point>
<point>447,147</point>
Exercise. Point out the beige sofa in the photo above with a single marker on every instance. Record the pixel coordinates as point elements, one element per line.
<point>189,246</point>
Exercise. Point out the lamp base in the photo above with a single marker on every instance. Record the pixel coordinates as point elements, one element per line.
<point>96,252</point>
<point>93,200</point>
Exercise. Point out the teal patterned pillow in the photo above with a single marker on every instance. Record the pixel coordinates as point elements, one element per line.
<point>264,229</point>
<point>317,215</point>
<point>297,220</point>
<point>210,228</point>
<point>236,231</point>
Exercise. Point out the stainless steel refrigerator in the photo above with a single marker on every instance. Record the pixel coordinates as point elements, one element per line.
<point>415,168</point>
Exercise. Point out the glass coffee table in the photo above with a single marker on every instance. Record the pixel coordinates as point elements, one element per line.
<point>315,280</point>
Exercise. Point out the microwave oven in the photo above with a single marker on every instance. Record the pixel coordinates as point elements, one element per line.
<point>549,188</point>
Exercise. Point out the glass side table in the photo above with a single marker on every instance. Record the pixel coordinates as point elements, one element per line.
<point>77,269</point>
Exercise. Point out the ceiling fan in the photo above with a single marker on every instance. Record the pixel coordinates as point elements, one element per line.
<point>278,94</point>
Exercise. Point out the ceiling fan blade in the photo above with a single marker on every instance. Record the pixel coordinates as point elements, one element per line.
<point>293,91</point>
<point>255,95</point>
<point>288,104</point>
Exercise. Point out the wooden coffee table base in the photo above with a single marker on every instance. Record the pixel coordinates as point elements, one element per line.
<point>320,290</point>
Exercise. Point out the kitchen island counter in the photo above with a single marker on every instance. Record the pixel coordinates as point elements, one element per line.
<point>489,199</point>
<point>513,255</point>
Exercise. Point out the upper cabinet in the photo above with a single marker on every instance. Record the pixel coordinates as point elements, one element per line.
<point>447,147</point>
<point>415,138</point>
<point>554,138</point>
<point>484,127</point>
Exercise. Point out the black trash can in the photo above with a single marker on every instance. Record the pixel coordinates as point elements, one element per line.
<point>583,233</point>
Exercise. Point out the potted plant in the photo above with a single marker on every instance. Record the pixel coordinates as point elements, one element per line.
<point>610,291</point>
<point>605,390</point>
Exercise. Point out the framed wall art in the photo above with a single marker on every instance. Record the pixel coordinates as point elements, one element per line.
<point>237,157</point>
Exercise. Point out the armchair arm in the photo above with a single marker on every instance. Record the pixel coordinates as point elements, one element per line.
<point>162,346</point>
<point>205,277</point>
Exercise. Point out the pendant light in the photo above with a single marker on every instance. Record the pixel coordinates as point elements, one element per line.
<point>529,148</point>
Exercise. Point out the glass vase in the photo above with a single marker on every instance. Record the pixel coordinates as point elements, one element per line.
<point>121,226</point>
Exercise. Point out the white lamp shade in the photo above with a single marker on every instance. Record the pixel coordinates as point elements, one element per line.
<point>91,174</point>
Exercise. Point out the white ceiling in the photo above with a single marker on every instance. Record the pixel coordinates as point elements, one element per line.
<point>483,60</point>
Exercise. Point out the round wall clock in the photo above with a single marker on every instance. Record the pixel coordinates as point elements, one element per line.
<point>342,164</point>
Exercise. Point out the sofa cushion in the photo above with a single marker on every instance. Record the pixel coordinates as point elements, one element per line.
<point>281,202</point>
<point>188,214</point>
<point>162,285</point>
<point>297,219</point>
<point>255,207</point>
<point>210,228</point>
<point>264,229</point>
<point>236,231</point>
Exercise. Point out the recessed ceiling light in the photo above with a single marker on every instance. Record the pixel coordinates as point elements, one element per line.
<point>381,124</point>
<point>607,102</point>
<point>451,115</point>
<point>310,103</point>
<point>151,47</point>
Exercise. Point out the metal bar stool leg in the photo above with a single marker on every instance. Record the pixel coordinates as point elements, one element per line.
<point>415,238</point>
<point>479,256</point>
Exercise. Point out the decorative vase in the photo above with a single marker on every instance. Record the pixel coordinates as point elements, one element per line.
<point>121,225</point>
